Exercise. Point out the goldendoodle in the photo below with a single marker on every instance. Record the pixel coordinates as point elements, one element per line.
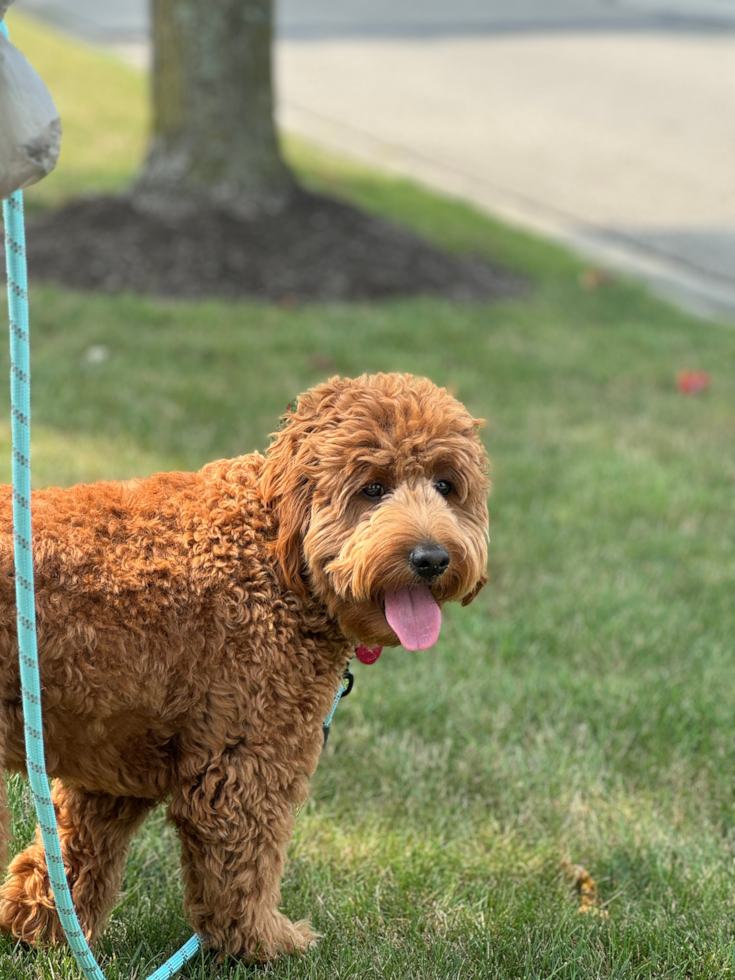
<point>193,630</point>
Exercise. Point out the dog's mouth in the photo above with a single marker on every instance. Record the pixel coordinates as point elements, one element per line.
<point>414,616</point>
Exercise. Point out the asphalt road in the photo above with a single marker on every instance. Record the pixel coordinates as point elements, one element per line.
<point>606,123</point>
<point>113,20</point>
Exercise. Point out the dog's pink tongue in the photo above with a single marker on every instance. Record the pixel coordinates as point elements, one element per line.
<point>413,616</point>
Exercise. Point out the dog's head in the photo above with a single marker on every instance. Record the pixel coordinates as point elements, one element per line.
<point>378,487</point>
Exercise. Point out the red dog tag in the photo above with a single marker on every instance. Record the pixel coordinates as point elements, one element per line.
<point>367,656</point>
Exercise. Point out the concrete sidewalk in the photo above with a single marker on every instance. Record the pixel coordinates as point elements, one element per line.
<point>608,125</point>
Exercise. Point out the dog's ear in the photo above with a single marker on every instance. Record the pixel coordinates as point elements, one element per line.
<point>289,473</point>
<point>294,511</point>
<point>471,595</point>
<point>286,493</point>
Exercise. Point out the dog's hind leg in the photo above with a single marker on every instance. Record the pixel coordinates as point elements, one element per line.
<point>95,831</point>
<point>235,820</point>
<point>4,812</point>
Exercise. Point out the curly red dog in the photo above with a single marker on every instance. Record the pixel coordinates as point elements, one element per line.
<point>193,631</point>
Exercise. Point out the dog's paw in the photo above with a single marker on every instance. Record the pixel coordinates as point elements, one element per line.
<point>27,909</point>
<point>273,937</point>
<point>297,937</point>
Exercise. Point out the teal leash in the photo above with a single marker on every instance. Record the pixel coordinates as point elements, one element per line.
<point>20,393</point>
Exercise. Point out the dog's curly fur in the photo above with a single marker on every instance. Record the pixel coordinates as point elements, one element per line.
<point>193,630</point>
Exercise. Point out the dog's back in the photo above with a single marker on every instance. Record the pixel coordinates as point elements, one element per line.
<point>139,585</point>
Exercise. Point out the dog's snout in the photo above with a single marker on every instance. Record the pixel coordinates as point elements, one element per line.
<point>429,561</point>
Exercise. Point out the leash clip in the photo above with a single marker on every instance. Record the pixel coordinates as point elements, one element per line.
<point>348,679</point>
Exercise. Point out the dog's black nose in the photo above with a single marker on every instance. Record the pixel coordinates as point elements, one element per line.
<point>429,560</point>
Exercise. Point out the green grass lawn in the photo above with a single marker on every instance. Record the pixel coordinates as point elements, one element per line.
<point>582,709</point>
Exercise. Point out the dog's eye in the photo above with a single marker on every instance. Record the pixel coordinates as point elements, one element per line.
<point>375,491</point>
<point>443,487</point>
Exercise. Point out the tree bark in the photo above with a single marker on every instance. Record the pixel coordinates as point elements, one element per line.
<point>214,141</point>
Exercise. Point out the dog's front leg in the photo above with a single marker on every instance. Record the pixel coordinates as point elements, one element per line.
<point>235,822</point>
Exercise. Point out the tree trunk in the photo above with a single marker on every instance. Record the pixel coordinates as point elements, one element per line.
<point>214,141</point>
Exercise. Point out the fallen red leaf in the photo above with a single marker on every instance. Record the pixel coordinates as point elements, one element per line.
<point>692,382</point>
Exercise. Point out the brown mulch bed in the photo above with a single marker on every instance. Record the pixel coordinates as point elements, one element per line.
<point>317,249</point>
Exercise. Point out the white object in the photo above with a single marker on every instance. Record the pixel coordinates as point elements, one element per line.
<point>30,128</point>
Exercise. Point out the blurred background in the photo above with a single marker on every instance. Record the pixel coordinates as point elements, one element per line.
<point>606,123</point>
